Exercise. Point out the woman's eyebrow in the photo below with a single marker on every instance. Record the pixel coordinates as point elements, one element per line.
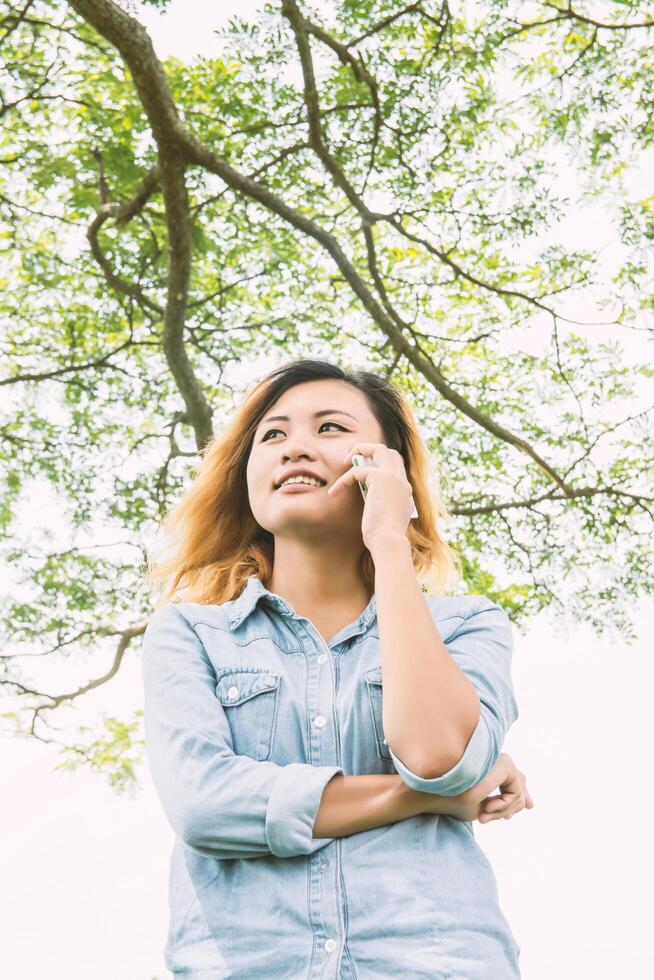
<point>316,415</point>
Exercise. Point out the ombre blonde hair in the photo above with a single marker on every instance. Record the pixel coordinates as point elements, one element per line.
<point>213,543</point>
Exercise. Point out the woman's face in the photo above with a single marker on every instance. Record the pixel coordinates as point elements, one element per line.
<point>322,420</point>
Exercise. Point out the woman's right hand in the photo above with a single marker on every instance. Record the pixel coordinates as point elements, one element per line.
<point>476,803</point>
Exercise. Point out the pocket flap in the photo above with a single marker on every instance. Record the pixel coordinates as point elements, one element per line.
<point>374,675</point>
<point>236,685</point>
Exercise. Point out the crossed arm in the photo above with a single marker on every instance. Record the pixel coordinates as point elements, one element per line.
<point>228,806</point>
<point>351,804</point>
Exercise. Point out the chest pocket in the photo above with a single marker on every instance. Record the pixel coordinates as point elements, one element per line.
<point>374,684</point>
<point>249,696</point>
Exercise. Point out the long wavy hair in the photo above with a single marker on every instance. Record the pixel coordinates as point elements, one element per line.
<point>212,542</point>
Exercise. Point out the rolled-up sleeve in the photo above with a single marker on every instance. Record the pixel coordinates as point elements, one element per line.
<point>482,646</point>
<point>220,804</point>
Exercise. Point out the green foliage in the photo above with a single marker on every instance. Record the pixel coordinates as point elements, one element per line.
<point>115,752</point>
<point>482,134</point>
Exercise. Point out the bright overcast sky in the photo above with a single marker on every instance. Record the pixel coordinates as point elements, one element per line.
<point>85,872</point>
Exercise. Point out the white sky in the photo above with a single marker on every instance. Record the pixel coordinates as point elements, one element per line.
<point>85,872</point>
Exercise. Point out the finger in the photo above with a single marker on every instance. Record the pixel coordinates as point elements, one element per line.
<point>518,803</point>
<point>504,812</point>
<point>378,451</point>
<point>524,792</point>
<point>490,782</point>
<point>513,784</point>
<point>505,806</point>
<point>508,801</point>
<point>487,816</point>
<point>351,476</point>
<point>494,803</point>
<point>513,775</point>
<point>365,449</point>
<point>492,810</point>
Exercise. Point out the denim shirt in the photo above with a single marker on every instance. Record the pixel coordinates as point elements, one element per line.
<point>248,715</point>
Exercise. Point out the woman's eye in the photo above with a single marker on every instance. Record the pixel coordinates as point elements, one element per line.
<point>342,429</point>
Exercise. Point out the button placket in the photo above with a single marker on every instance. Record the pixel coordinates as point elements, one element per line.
<point>321,692</point>
<point>320,719</point>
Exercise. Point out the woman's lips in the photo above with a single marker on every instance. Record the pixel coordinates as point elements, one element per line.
<point>298,488</point>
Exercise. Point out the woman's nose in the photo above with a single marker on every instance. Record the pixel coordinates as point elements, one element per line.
<point>296,452</point>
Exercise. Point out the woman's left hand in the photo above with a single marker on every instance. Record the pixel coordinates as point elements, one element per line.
<point>476,803</point>
<point>388,504</point>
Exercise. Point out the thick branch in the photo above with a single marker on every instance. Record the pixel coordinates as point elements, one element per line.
<point>132,41</point>
<point>179,272</point>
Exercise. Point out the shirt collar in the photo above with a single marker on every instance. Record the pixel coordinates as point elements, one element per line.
<point>255,590</point>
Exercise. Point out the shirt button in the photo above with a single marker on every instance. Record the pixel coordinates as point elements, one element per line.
<point>385,742</point>
<point>319,721</point>
<point>233,691</point>
<point>330,945</point>
<point>322,658</point>
<point>323,865</point>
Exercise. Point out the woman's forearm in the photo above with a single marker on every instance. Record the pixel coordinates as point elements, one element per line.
<point>351,804</point>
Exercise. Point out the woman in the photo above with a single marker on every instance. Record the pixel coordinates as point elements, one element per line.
<point>322,731</point>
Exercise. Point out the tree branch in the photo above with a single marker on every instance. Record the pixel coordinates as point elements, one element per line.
<point>179,271</point>
<point>13,21</point>
<point>132,41</point>
<point>58,372</point>
<point>361,74</point>
<point>381,24</point>
<point>568,13</point>
<point>463,510</point>
<point>126,637</point>
<point>301,29</point>
<point>117,282</point>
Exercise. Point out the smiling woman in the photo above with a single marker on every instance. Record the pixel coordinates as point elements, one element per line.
<point>308,682</point>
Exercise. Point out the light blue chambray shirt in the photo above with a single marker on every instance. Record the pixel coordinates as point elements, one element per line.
<point>248,715</point>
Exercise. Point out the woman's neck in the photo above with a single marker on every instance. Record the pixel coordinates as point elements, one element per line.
<point>313,580</point>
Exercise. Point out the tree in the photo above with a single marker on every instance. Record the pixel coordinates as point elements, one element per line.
<point>382,185</point>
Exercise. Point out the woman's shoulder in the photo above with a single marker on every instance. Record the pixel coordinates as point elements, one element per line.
<point>459,606</point>
<point>191,613</point>
<point>470,615</point>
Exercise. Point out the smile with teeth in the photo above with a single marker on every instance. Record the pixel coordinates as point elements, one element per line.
<point>309,480</point>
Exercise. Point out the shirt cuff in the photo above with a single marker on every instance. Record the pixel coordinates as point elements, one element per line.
<point>293,806</point>
<point>468,771</point>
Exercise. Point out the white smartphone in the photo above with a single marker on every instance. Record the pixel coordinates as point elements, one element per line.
<point>359,460</point>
